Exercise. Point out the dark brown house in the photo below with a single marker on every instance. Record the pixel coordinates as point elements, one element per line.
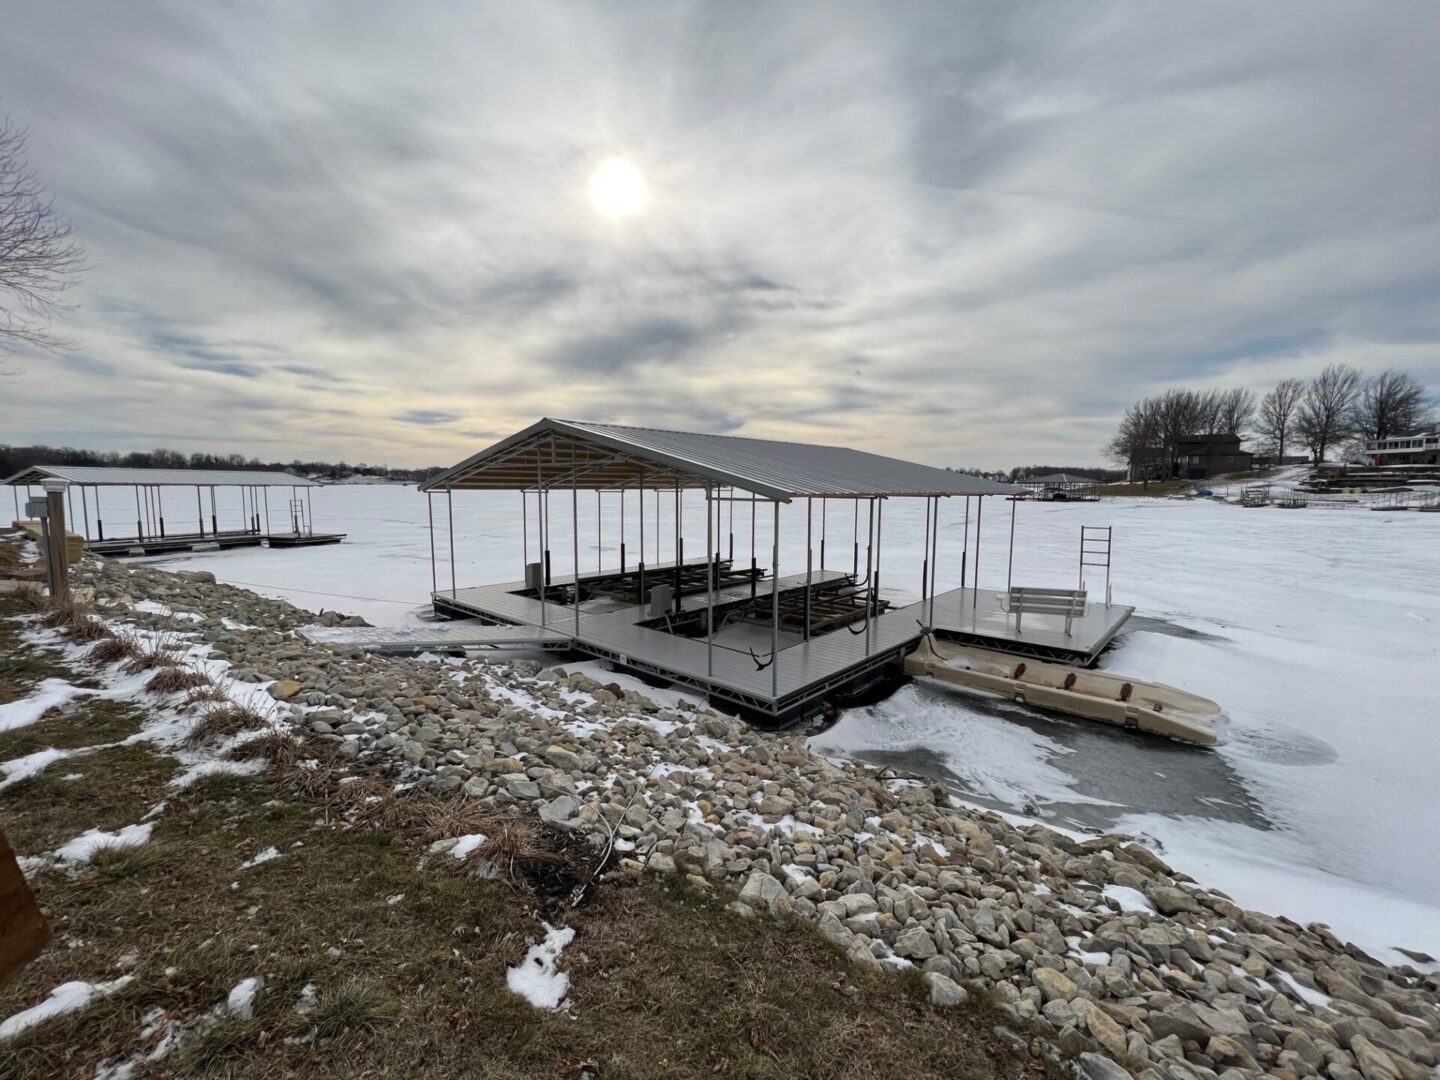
<point>1199,457</point>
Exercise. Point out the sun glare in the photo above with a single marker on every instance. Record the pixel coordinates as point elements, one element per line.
<point>617,189</point>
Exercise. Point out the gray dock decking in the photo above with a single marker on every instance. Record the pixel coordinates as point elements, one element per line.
<point>802,672</point>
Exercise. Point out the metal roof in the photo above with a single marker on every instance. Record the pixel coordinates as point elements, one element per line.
<point>86,474</point>
<point>553,453</point>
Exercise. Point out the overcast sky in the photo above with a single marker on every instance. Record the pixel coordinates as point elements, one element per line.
<point>962,234</point>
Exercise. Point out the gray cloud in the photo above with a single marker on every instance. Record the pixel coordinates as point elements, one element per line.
<point>427,417</point>
<point>964,233</point>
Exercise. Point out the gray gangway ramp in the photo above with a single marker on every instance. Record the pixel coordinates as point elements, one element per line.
<point>457,634</point>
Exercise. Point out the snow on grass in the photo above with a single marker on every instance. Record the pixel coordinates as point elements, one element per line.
<point>22,768</point>
<point>1129,899</point>
<point>537,978</point>
<point>48,695</point>
<point>241,1001</point>
<point>261,857</point>
<point>65,998</point>
<point>251,767</point>
<point>308,996</point>
<point>80,850</point>
<point>466,844</point>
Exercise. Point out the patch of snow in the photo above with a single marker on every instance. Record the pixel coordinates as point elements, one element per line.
<point>308,995</point>
<point>152,607</point>
<point>537,978</point>
<point>261,857</point>
<point>1129,899</point>
<point>65,998</point>
<point>466,844</point>
<point>394,898</point>
<point>80,850</point>
<point>22,768</point>
<point>28,710</point>
<point>241,1001</point>
<point>251,767</point>
<point>1305,993</point>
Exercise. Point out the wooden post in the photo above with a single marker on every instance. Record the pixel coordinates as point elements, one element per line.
<point>55,553</point>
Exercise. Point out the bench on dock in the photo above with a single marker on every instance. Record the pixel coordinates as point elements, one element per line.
<point>1023,600</point>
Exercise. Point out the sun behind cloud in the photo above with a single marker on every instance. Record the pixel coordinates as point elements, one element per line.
<point>617,188</point>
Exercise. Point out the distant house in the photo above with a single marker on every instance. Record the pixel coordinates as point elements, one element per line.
<point>1417,448</point>
<point>1199,457</point>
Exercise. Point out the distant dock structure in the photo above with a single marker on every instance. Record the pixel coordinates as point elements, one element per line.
<point>232,508</point>
<point>1061,487</point>
<point>682,604</point>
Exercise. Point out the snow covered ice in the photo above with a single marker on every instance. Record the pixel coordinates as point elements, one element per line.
<point>1316,634</point>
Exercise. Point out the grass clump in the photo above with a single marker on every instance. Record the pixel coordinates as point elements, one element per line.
<point>221,722</point>
<point>114,650</point>
<point>176,680</point>
<point>353,1005</point>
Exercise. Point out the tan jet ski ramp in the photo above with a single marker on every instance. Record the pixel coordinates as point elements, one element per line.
<point>1095,695</point>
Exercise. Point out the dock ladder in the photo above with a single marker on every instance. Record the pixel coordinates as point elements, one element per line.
<point>1095,542</point>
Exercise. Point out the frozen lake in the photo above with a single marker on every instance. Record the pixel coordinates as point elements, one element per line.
<point>1318,631</point>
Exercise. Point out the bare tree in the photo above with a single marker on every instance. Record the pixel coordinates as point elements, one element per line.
<point>39,258</point>
<point>1206,409</point>
<point>1236,410</point>
<point>1392,403</point>
<point>1137,444</point>
<point>1275,420</point>
<point>1326,413</point>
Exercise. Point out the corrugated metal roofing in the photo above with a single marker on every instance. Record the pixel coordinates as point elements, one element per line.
<point>86,474</point>
<point>608,456</point>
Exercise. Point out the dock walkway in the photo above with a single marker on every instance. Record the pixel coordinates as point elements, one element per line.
<point>802,673</point>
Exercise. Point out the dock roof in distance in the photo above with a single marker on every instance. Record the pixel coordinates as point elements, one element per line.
<point>610,456</point>
<point>106,477</point>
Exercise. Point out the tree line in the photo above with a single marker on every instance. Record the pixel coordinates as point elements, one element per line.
<point>15,458</point>
<point>1322,414</point>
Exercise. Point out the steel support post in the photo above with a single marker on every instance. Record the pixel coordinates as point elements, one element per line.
<point>709,587</point>
<point>775,611</point>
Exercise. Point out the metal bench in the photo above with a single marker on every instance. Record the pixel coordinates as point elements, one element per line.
<point>1023,600</point>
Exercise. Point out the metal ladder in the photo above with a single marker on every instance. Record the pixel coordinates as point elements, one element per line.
<point>297,516</point>
<point>1095,542</point>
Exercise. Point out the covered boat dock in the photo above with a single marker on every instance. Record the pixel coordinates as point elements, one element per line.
<point>231,508</point>
<point>778,644</point>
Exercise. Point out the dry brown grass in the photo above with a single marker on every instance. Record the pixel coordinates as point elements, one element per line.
<point>75,620</point>
<point>203,697</point>
<point>114,649</point>
<point>176,680</point>
<point>282,750</point>
<point>223,721</point>
<point>161,650</point>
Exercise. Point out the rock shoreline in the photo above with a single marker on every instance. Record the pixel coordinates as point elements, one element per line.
<point>1095,946</point>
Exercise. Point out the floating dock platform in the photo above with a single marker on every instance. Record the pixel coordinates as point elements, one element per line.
<point>167,545</point>
<point>734,670</point>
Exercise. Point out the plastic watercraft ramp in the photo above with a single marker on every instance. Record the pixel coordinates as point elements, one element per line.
<point>1095,695</point>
